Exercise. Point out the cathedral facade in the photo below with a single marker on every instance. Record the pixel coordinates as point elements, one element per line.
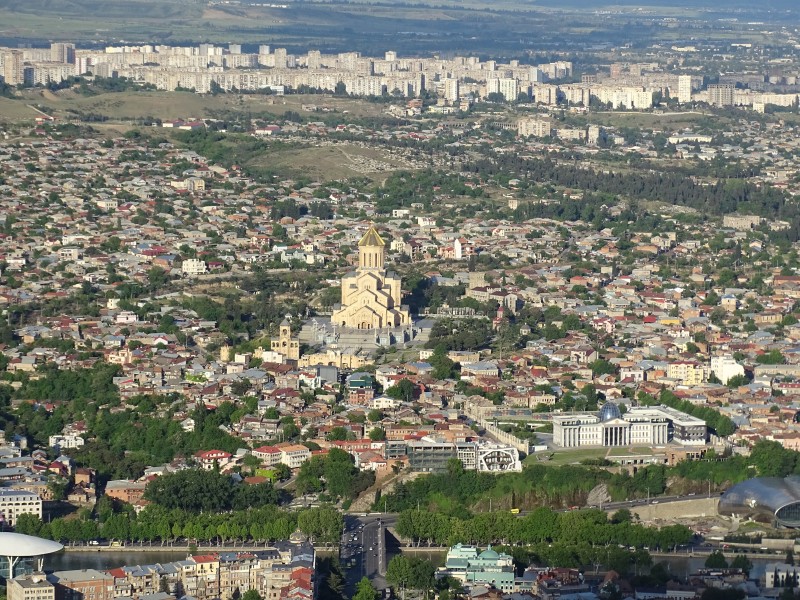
<point>371,296</point>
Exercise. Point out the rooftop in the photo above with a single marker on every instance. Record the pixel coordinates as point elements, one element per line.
<point>17,544</point>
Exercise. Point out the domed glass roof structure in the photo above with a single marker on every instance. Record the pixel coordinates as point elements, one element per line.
<point>609,411</point>
<point>764,499</point>
<point>17,546</point>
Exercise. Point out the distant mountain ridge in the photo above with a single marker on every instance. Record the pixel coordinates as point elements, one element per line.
<point>713,5</point>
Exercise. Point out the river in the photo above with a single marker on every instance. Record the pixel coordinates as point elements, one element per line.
<point>680,566</point>
<point>64,561</point>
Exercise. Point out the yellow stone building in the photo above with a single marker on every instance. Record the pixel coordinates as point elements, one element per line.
<point>286,344</point>
<point>371,296</point>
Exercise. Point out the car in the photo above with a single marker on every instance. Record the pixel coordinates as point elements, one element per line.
<point>94,543</point>
<point>654,502</point>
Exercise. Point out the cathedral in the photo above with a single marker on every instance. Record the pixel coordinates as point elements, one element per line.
<point>371,296</point>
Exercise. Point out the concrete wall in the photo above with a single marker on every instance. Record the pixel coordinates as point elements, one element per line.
<point>505,437</point>
<point>689,508</point>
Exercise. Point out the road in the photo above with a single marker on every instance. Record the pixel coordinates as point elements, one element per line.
<point>363,549</point>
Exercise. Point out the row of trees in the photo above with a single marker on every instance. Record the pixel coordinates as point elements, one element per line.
<point>590,527</point>
<point>158,524</point>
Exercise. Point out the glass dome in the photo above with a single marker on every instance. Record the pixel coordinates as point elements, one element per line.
<point>764,499</point>
<point>609,411</point>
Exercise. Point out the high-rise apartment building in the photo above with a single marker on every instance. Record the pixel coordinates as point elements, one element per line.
<point>280,58</point>
<point>534,127</point>
<point>62,53</point>
<point>685,89</point>
<point>509,88</point>
<point>720,94</point>
<point>451,90</point>
<point>13,67</point>
<point>314,59</point>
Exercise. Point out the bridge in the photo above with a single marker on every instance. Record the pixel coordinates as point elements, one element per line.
<point>363,551</point>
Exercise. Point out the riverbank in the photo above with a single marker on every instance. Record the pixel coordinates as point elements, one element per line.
<point>180,549</point>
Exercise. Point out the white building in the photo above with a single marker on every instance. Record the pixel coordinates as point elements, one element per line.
<point>294,455</point>
<point>684,89</point>
<point>14,503</point>
<point>725,368</point>
<point>65,441</point>
<point>534,127</point>
<point>451,90</point>
<point>641,426</point>
<point>780,575</point>
<point>194,266</point>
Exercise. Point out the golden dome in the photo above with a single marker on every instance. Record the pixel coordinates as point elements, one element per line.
<point>371,239</point>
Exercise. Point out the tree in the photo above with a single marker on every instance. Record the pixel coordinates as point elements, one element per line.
<point>58,488</point>
<point>773,357</point>
<point>602,367</point>
<point>402,390</point>
<point>737,381</point>
<point>241,387</point>
<point>377,434</point>
<point>282,471</point>
<point>623,515</point>
<point>771,459</point>
<point>337,434</point>
<point>716,560</point>
<point>157,278</point>
<point>251,595</point>
<point>365,590</point>
<point>398,572</point>
<point>740,561</point>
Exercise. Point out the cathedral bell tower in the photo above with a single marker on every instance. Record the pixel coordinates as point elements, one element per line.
<point>371,251</point>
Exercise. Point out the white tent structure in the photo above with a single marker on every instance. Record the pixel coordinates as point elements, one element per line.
<point>17,545</point>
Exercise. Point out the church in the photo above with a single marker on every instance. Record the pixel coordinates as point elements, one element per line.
<point>371,296</point>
